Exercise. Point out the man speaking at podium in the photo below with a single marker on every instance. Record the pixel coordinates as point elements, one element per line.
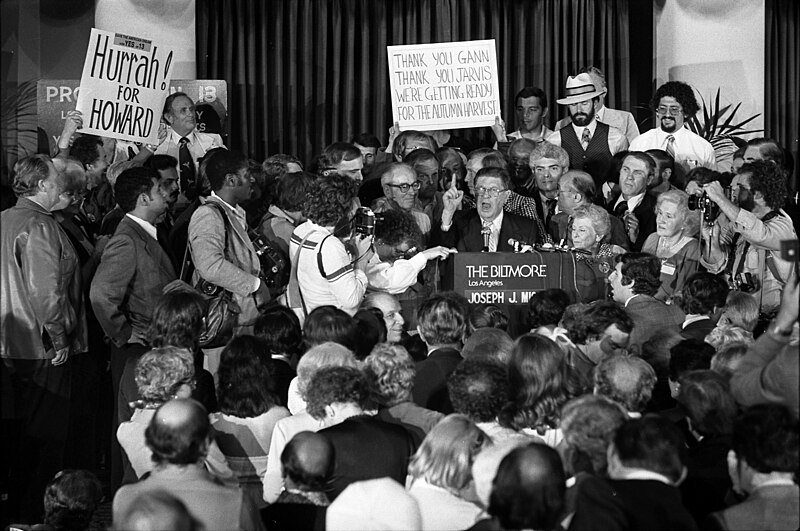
<point>486,228</point>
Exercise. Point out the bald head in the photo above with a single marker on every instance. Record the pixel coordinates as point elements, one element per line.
<point>306,460</point>
<point>179,432</point>
<point>627,380</point>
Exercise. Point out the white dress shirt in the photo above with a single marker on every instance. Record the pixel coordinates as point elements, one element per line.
<point>688,146</point>
<point>146,225</point>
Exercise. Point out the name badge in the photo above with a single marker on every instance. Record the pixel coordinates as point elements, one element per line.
<point>667,269</point>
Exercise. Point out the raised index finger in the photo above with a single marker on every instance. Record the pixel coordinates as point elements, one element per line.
<point>453,181</point>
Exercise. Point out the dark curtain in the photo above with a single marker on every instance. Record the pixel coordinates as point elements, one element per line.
<point>782,76</point>
<point>304,73</point>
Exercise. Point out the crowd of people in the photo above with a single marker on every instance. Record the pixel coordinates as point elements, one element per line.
<point>245,345</point>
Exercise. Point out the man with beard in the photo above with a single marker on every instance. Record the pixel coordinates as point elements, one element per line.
<point>487,228</point>
<point>674,103</point>
<point>745,241</point>
<point>589,143</point>
<point>531,109</point>
<point>400,189</point>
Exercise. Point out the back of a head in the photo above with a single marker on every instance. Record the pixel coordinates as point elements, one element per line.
<point>178,433</point>
<point>707,401</point>
<point>328,323</point>
<point>391,372</point>
<point>689,355</point>
<point>441,320</point>
<point>307,459</point>
<point>131,184</point>
<point>592,320</point>
<point>370,330</point>
<point>478,389</point>
<point>643,269</point>
<point>291,191</point>
<point>115,170</point>
<point>336,385</point>
<point>70,499</point>
<point>703,293</point>
<point>650,443</point>
<point>328,354</point>
<point>445,457</point>
<point>162,371</point>
<point>373,504</point>
<point>156,510</point>
<point>489,344</point>
<point>178,319</point>
<point>547,307</point>
<point>487,316</point>
<point>723,335</point>
<point>741,309</point>
<point>529,489</point>
<point>766,437</point>
<point>627,380</point>
<point>589,423</point>
<point>280,330</point>
<point>769,149</point>
<point>245,378</point>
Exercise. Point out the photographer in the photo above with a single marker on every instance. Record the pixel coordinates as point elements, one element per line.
<point>745,246</point>
<point>397,260</point>
<point>324,270</point>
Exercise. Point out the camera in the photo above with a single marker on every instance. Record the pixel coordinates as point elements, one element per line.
<point>365,220</point>
<point>744,282</point>
<point>704,204</point>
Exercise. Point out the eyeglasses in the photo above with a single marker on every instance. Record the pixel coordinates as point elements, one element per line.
<point>671,110</point>
<point>490,192</point>
<point>405,187</point>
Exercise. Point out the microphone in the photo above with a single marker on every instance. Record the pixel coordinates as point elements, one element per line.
<point>487,233</point>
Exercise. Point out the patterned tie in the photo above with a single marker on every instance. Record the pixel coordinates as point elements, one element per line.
<point>585,138</point>
<point>487,236</point>
<point>620,209</point>
<point>670,149</point>
<point>187,169</point>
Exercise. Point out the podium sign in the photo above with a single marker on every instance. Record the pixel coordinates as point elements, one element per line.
<point>511,278</point>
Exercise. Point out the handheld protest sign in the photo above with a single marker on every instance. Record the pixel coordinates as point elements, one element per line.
<point>448,85</point>
<point>123,86</point>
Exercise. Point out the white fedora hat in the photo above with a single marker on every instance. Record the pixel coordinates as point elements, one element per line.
<point>579,88</point>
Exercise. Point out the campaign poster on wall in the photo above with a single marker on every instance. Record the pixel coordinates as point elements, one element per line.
<point>446,85</point>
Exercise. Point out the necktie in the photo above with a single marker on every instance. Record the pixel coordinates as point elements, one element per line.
<point>670,149</point>
<point>186,164</point>
<point>487,236</point>
<point>568,236</point>
<point>585,138</point>
<point>551,209</point>
<point>621,208</point>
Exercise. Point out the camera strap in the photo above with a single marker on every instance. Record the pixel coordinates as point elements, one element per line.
<point>770,261</point>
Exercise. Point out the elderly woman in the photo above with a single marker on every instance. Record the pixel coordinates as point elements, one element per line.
<point>324,355</point>
<point>591,227</point>
<point>440,474</point>
<point>248,411</point>
<point>673,242</point>
<point>391,373</point>
<point>162,374</point>
<point>327,272</point>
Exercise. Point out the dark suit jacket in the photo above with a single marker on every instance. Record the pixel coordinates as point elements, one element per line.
<point>364,448</point>
<point>707,482</point>
<point>629,505</point>
<point>129,281</point>
<point>698,329</point>
<point>558,230</point>
<point>465,232</point>
<point>430,383</point>
<point>650,315</point>
<point>646,215</point>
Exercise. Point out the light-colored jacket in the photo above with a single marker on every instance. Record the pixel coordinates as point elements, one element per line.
<point>40,286</point>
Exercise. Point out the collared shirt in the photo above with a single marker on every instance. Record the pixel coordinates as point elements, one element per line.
<point>237,211</point>
<point>629,299</point>
<point>638,473</point>
<point>688,146</point>
<point>633,202</point>
<point>494,227</point>
<point>519,134</point>
<point>146,225</point>
<point>616,138</point>
<point>693,318</point>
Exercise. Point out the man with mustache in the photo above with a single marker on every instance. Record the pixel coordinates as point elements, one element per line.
<point>674,103</point>
<point>589,143</point>
<point>745,242</point>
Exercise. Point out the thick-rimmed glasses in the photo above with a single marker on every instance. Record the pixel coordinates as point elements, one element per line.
<point>405,187</point>
<point>663,110</point>
<point>489,192</point>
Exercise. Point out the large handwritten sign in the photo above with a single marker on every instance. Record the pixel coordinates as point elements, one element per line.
<point>123,86</point>
<point>510,278</point>
<point>56,97</point>
<point>448,85</point>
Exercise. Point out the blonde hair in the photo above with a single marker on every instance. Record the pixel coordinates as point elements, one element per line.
<point>445,457</point>
<point>391,371</point>
<point>161,372</point>
<point>328,354</point>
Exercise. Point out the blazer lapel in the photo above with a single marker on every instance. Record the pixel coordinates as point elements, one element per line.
<point>153,248</point>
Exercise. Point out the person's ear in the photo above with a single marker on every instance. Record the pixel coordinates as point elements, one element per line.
<point>614,465</point>
<point>650,179</point>
<point>544,113</point>
<point>184,391</point>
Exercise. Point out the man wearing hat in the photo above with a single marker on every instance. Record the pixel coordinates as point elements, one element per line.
<point>589,143</point>
<point>622,120</point>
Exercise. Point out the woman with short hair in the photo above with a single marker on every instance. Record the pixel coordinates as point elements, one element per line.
<point>674,242</point>
<point>440,474</point>
<point>590,232</point>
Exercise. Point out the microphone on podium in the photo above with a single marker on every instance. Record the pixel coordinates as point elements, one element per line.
<point>487,232</point>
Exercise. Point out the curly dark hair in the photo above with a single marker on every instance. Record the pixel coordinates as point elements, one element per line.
<point>246,378</point>
<point>291,190</point>
<point>330,199</point>
<point>396,227</point>
<point>478,389</point>
<point>487,316</point>
<point>703,292</point>
<point>766,436</point>
<point>547,307</point>
<point>331,385</point>
<point>70,500</point>
<point>643,269</point>
<point>682,92</point>
<point>537,377</point>
<point>689,355</point>
<point>86,149</point>
<point>591,321</point>
<point>178,319</point>
<point>769,179</point>
<point>328,323</point>
<point>279,329</point>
